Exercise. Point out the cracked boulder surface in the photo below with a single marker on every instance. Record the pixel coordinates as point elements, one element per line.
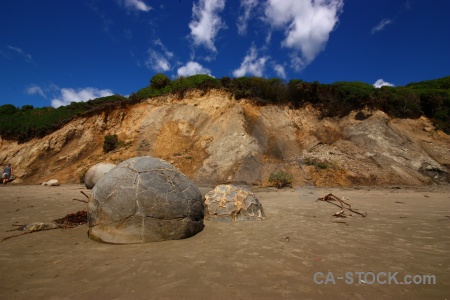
<point>144,199</point>
<point>232,203</point>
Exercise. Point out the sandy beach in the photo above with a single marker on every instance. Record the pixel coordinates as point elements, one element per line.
<point>290,255</point>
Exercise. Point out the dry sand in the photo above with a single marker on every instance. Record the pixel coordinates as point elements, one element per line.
<point>406,231</point>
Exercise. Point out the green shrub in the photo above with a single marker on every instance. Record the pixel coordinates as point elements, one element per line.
<point>281,179</point>
<point>159,81</point>
<point>225,82</point>
<point>8,109</point>
<point>317,164</point>
<point>27,107</point>
<point>402,102</point>
<point>299,92</point>
<point>322,165</point>
<point>110,143</point>
<point>195,81</point>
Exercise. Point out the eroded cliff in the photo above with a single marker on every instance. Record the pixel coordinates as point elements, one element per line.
<point>213,138</point>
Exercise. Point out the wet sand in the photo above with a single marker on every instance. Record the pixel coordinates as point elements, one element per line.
<point>405,231</point>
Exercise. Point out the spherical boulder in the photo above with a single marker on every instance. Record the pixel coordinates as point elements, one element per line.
<point>144,199</point>
<point>96,172</point>
<point>232,203</point>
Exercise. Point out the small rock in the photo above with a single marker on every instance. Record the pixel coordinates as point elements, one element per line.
<point>51,182</point>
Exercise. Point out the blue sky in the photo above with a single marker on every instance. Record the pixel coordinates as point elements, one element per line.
<point>53,52</point>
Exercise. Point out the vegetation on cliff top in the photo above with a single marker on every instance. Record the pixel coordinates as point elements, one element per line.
<point>430,98</point>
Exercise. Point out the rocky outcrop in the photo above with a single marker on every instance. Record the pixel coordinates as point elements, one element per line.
<point>144,199</point>
<point>213,138</point>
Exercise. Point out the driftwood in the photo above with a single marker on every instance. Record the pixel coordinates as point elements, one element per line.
<point>69,221</point>
<point>80,200</point>
<point>21,227</point>
<point>75,199</point>
<point>341,222</point>
<point>330,198</point>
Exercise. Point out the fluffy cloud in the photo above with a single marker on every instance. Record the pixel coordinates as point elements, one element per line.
<point>157,61</point>
<point>71,95</point>
<point>252,64</point>
<point>192,68</point>
<point>247,6</point>
<point>297,63</point>
<point>136,5</point>
<point>307,24</point>
<point>35,90</point>
<point>279,69</point>
<point>206,22</point>
<point>380,82</point>
<point>383,23</point>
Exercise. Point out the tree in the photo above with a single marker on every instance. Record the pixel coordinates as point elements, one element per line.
<point>27,107</point>
<point>8,109</point>
<point>159,81</point>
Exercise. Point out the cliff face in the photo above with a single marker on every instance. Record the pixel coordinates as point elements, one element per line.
<point>213,138</point>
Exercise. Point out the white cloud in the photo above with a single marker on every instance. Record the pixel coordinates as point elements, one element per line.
<point>247,6</point>
<point>10,52</point>
<point>20,52</point>
<point>383,23</point>
<point>206,22</point>
<point>69,95</point>
<point>35,90</point>
<point>279,69</point>
<point>192,68</point>
<point>380,82</point>
<point>297,63</point>
<point>252,64</point>
<point>136,5</point>
<point>157,61</point>
<point>168,53</point>
<point>307,23</point>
